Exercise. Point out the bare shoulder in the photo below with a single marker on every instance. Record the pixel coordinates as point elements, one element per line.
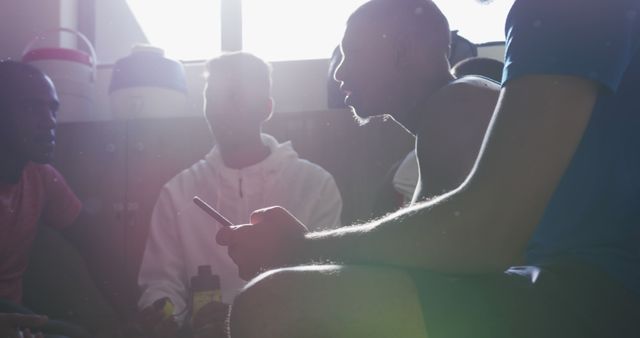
<point>467,95</point>
<point>469,89</point>
<point>451,131</point>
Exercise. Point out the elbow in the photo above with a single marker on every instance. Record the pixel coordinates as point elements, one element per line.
<point>502,246</point>
<point>495,234</point>
<point>503,258</point>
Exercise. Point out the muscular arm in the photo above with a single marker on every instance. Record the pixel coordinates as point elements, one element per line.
<point>163,270</point>
<point>484,224</point>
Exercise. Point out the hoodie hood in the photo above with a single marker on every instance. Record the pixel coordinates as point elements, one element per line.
<point>243,190</point>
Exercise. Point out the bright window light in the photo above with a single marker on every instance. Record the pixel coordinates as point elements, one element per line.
<point>288,29</point>
<point>185,29</point>
<point>294,29</point>
<point>475,21</point>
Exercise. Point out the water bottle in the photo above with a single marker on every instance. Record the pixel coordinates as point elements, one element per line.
<point>205,288</point>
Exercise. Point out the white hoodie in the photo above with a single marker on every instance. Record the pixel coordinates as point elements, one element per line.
<point>406,177</point>
<point>182,236</point>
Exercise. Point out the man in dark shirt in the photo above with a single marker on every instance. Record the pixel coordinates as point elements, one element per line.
<point>555,186</point>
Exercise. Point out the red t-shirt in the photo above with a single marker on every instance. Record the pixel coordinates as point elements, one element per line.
<point>40,196</point>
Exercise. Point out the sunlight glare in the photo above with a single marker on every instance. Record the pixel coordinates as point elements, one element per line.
<point>477,22</point>
<point>185,29</point>
<point>294,29</point>
<point>288,29</point>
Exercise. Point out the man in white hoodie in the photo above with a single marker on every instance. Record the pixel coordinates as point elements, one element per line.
<point>245,171</point>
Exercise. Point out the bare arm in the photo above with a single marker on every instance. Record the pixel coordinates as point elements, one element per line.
<point>486,223</point>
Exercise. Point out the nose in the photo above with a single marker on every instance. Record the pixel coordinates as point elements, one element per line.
<point>339,73</point>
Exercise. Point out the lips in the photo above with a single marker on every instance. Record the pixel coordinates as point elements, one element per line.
<point>346,90</point>
<point>46,148</point>
<point>45,139</point>
<point>47,142</point>
<point>350,99</point>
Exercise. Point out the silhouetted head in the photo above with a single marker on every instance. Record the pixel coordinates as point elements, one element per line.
<point>237,97</point>
<point>394,53</point>
<point>28,107</point>
<point>487,67</point>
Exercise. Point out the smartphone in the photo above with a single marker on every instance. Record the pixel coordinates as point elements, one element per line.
<point>211,211</point>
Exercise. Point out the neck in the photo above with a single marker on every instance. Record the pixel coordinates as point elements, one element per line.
<point>11,169</point>
<point>246,154</point>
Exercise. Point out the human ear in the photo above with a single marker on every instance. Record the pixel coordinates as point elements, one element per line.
<point>270,105</point>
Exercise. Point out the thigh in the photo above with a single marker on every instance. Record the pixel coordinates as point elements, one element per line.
<point>565,300</point>
<point>329,301</point>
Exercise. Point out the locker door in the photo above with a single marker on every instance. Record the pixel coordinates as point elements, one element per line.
<point>157,150</point>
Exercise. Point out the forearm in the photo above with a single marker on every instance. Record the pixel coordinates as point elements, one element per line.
<point>157,287</point>
<point>436,235</point>
<point>162,272</point>
<point>163,268</point>
<point>159,279</point>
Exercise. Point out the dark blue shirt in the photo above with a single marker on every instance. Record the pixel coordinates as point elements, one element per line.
<point>594,214</point>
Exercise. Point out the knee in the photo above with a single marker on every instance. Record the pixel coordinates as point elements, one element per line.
<point>274,297</point>
<point>283,286</point>
<point>263,289</point>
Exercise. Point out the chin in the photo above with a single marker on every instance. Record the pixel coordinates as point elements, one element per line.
<point>361,120</point>
<point>231,142</point>
<point>364,116</point>
<point>359,116</point>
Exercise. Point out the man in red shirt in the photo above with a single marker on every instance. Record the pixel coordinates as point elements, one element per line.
<point>32,192</point>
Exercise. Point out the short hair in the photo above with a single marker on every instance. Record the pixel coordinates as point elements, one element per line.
<point>421,20</point>
<point>487,67</point>
<point>253,72</point>
<point>10,72</point>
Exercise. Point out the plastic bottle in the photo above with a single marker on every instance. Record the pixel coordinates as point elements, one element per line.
<point>205,288</point>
